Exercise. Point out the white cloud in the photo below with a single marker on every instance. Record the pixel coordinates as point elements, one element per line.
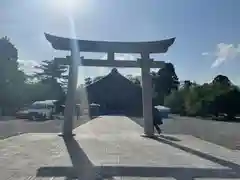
<point>28,66</point>
<point>223,53</point>
<point>120,56</point>
<point>205,53</point>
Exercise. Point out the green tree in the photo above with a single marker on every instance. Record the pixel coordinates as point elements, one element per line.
<point>37,91</point>
<point>165,81</point>
<point>52,71</point>
<point>175,101</point>
<point>52,75</point>
<point>220,97</point>
<point>188,84</point>
<point>227,103</point>
<point>134,79</point>
<point>7,50</point>
<point>11,78</point>
<point>222,80</point>
<point>97,79</point>
<point>88,81</point>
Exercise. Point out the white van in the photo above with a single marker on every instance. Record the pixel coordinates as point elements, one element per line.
<point>42,110</point>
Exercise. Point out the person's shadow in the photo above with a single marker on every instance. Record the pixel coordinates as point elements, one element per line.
<point>84,169</point>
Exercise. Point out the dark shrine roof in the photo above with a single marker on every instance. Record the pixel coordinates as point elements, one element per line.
<point>114,73</point>
<point>61,43</point>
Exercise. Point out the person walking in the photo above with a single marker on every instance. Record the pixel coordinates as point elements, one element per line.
<point>77,111</point>
<point>157,119</point>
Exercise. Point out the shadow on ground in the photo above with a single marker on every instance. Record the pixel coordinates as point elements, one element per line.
<point>84,169</point>
<point>140,122</point>
<point>170,138</point>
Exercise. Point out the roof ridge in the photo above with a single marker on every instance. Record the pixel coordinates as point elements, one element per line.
<point>116,72</point>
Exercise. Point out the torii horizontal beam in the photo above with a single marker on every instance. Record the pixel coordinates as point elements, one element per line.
<point>65,44</point>
<point>109,63</point>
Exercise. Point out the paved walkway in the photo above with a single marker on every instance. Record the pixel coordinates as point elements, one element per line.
<point>111,147</point>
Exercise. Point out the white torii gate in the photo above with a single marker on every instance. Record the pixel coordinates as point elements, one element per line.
<point>145,63</point>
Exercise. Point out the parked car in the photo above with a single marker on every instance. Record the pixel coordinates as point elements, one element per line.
<point>164,111</point>
<point>42,110</point>
<point>22,114</point>
<point>39,110</point>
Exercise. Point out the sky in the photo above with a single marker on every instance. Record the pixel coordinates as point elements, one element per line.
<point>207,32</point>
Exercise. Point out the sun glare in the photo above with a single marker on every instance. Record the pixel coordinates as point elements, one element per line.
<point>65,5</point>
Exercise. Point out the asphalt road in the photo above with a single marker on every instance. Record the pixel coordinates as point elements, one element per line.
<point>18,126</point>
<point>223,133</point>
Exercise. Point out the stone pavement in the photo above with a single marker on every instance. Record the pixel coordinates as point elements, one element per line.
<point>110,147</point>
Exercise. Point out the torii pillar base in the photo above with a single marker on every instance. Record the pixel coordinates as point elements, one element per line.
<point>148,136</point>
<point>66,136</point>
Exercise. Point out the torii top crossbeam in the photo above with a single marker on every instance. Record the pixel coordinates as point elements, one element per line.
<point>61,43</point>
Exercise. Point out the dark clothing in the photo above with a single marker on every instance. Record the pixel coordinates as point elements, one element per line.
<point>157,128</point>
<point>157,119</point>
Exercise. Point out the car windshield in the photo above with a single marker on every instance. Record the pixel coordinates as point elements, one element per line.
<point>38,106</point>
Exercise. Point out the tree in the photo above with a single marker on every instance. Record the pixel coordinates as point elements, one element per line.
<point>37,91</point>
<point>88,81</point>
<point>187,84</point>
<point>175,101</point>
<point>165,81</point>
<point>97,79</point>
<point>53,75</point>
<point>227,103</point>
<point>134,79</point>
<point>52,71</point>
<point>137,81</point>
<point>11,78</point>
<point>7,50</point>
<point>220,97</point>
<point>222,80</point>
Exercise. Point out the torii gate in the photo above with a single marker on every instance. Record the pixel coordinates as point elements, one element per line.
<point>145,63</point>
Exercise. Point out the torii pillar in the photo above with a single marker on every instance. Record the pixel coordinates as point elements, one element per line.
<point>145,63</point>
<point>69,111</point>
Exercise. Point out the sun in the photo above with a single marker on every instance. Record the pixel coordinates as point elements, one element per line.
<point>65,5</point>
<point>70,7</point>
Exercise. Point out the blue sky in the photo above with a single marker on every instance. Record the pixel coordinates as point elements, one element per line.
<point>207,31</point>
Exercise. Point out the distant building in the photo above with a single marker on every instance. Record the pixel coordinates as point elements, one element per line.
<point>116,95</point>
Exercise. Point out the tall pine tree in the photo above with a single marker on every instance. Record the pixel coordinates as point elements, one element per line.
<point>52,74</point>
